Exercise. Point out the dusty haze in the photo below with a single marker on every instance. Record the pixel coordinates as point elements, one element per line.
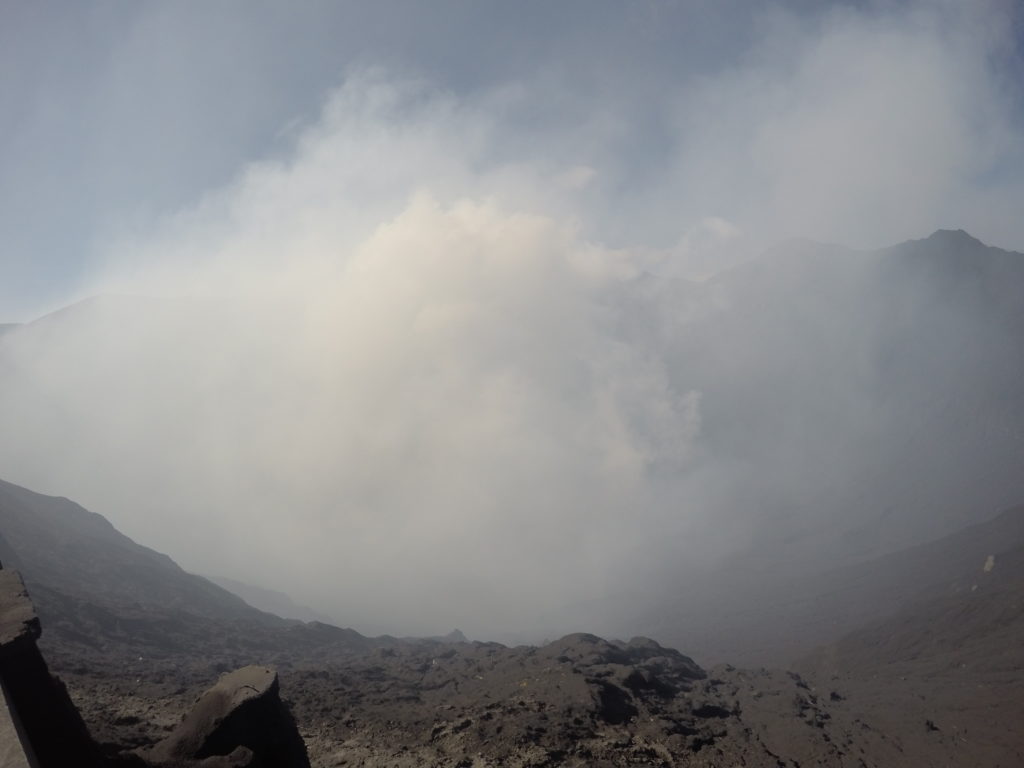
<point>420,369</point>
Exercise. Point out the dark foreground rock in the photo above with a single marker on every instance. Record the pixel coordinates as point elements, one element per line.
<point>240,722</point>
<point>42,728</point>
<point>579,701</point>
<point>240,719</point>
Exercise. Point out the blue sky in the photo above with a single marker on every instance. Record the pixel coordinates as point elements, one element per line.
<point>115,116</point>
<point>114,113</point>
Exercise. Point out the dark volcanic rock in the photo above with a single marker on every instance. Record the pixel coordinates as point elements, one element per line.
<point>50,730</point>
<point>19,625</point>
<point>240,719</point>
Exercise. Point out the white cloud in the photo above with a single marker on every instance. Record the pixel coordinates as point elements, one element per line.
<point>376,396</point>
<point>577,177</point>
<point>864,128</point>
<point>395,372</point>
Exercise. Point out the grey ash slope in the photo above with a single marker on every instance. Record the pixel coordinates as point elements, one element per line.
<point>58,545</point>
<point>863,403</point>
<point>881,389</point>
<point>779,621</point>
<point>944,670</point>
<point>960,600</point>
<point>103,597</point>
<point>270,600</point>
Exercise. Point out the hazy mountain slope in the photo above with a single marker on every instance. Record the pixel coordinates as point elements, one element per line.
<point>104,598</point>
<point>58,545</point>
<point>751,618</point>
<point>945,669</point>
<point>862,401</point>
<point>270,600</point>
<point>105,601</point>
<point>975,618</point>
<point>853,404</point>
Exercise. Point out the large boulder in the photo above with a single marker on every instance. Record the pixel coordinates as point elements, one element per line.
<point>240,722</point>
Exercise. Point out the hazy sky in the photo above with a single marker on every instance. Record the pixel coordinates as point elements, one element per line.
<point>788,118</point>
<point>376,268</point>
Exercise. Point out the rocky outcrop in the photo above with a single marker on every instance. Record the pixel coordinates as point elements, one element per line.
<point>240,721</point>
<point>41,727</point>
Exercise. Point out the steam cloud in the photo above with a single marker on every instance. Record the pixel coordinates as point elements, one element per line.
<point>402,373</point>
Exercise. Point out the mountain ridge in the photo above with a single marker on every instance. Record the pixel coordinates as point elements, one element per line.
<point>54,527</point>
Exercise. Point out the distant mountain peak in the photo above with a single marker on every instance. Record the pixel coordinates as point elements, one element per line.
<point>953,237</point>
